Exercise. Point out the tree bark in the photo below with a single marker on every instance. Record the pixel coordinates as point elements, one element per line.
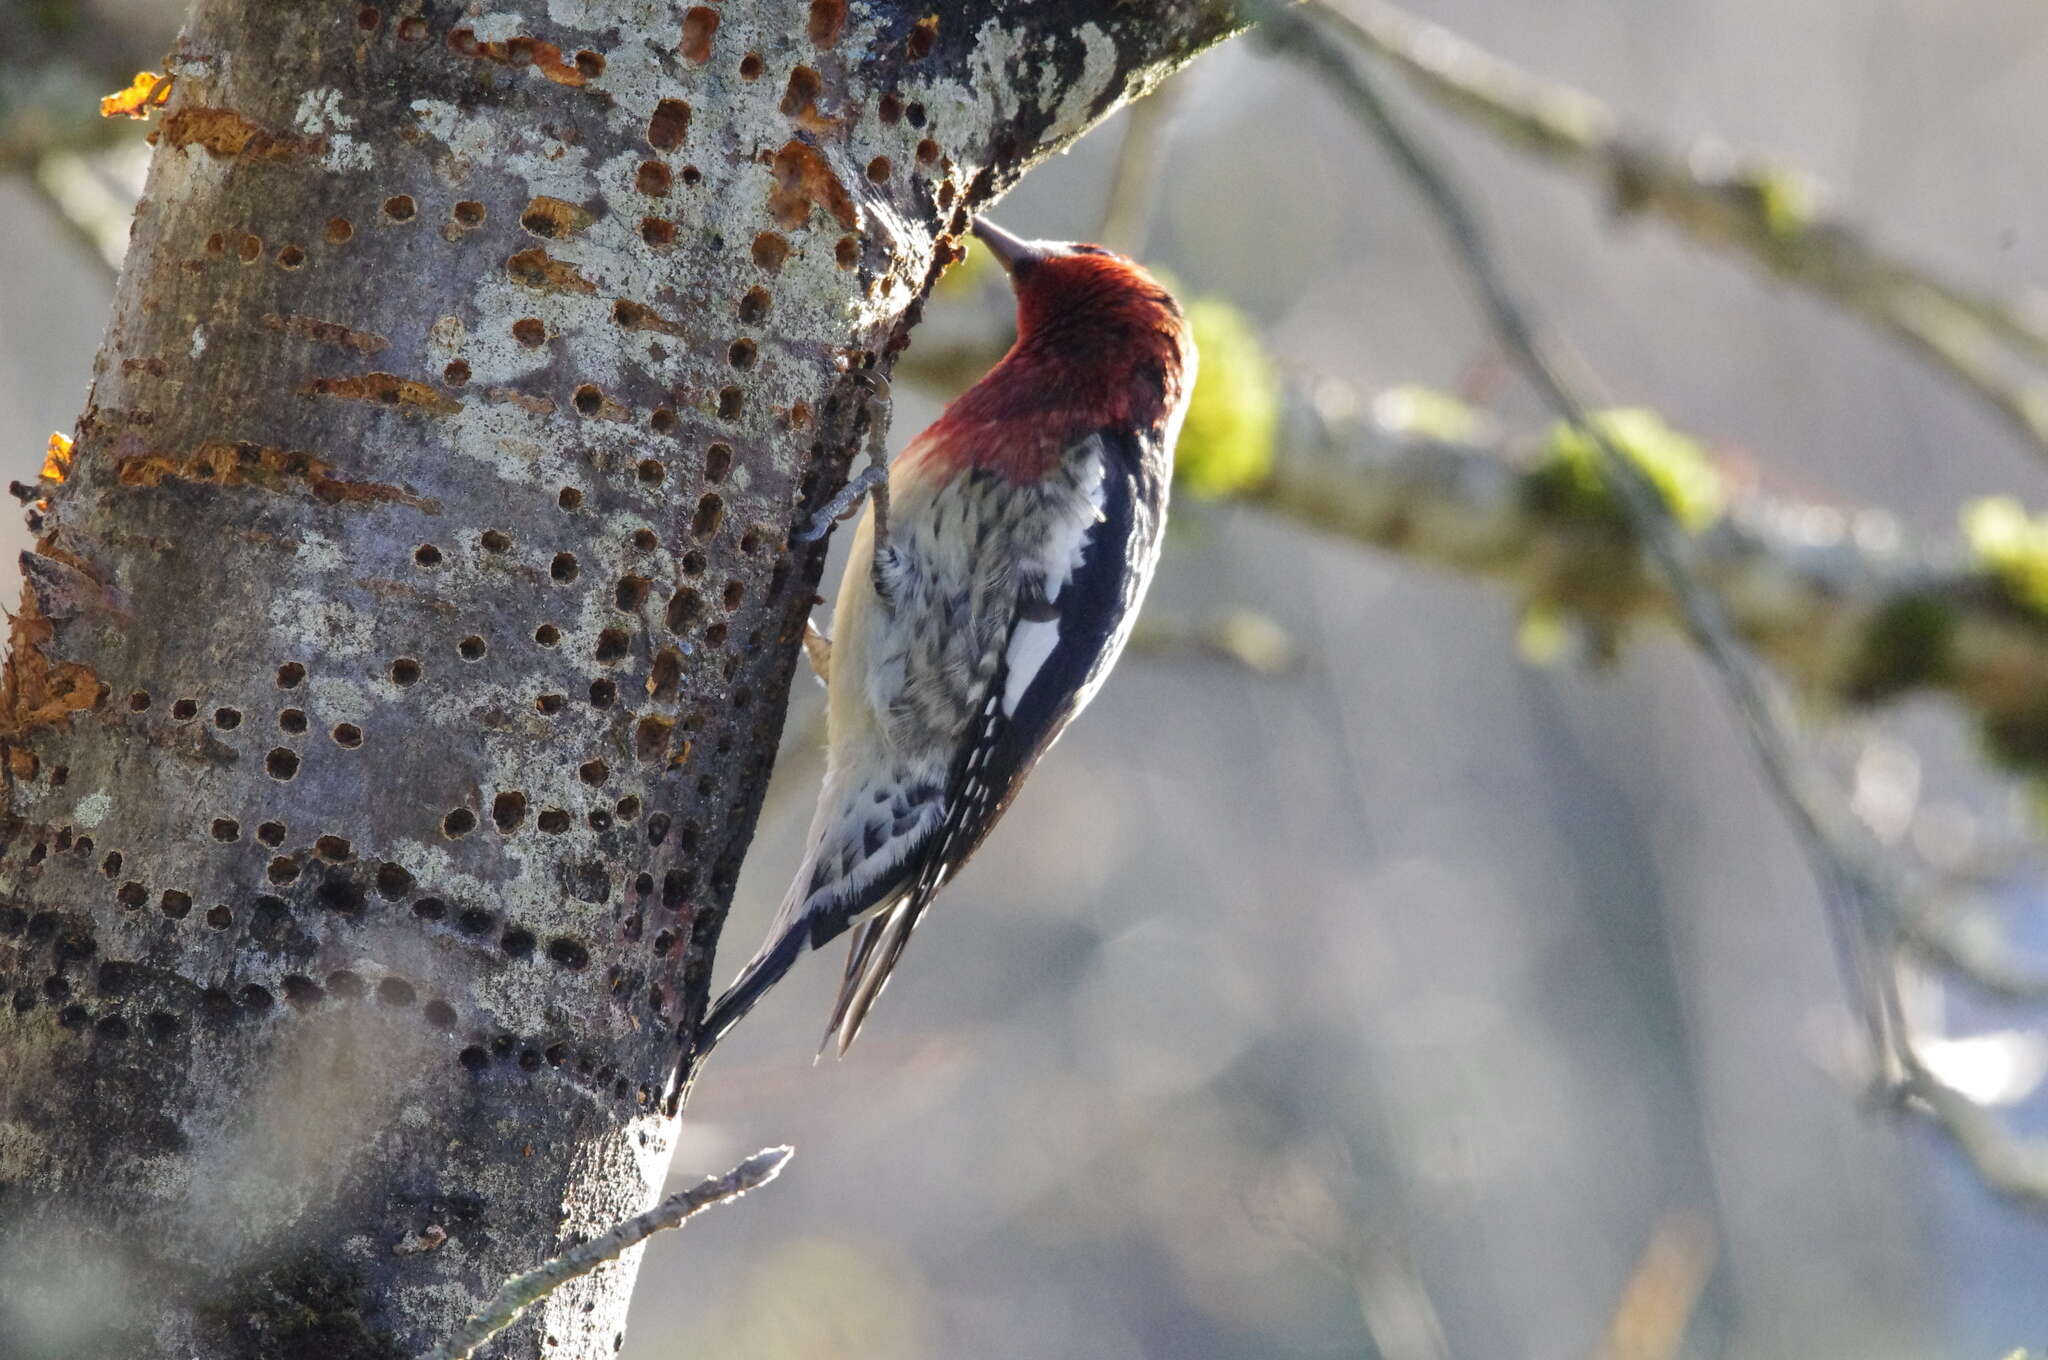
<point>404,652</point>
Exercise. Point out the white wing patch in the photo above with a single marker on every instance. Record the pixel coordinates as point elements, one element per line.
<point>1030,644</point>
<point>1068,527</point>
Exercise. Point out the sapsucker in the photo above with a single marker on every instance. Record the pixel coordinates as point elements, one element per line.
<point>987,594</point>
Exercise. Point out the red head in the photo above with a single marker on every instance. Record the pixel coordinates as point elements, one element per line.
<point>1099,343</point>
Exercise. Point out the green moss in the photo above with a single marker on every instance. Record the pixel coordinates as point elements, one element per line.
<point>1569,479</point>
<point>1788,201</point>
<point>1234,416</point>
<point>2012,545</point>
<point>1906,646</point>
<point>1543,635</point>
<point>1425,413</point>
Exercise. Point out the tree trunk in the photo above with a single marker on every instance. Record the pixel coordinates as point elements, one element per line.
<point>403,656</point>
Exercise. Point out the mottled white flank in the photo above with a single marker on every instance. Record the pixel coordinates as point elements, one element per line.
<point>320,115</point>
<point>92,810</point>
<point>1033,642</point>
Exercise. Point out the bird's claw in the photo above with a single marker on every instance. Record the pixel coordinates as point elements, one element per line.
<point>845,503</point>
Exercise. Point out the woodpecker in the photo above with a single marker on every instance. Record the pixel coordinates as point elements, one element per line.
<point>987,595</point>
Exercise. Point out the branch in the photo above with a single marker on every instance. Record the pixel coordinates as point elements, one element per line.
<point>1134,181</point>
<point>1852,619</point>
<point>1740,204</point>
<point>2014,1168</point>
<point>1855,616</point>
<point>1865,904</point>
<point>521,1292</point>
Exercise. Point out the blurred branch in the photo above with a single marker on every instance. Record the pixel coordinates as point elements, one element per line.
<point>92,197</point>
<point>2015,1168</point>
<point>52,107</point>
<point>1244,637</point>
<point>1835,600</point>
<point>1140,160</point>
<point>1317,1201</point>
<point>1663,1293</point>
<point>1865,904</point>
<point>521,1292</point>
<point>1968,942</point>
<point>1769,214</point>
<point>59,57</point>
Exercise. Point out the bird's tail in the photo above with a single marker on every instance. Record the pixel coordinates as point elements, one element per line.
<point>877,944</point>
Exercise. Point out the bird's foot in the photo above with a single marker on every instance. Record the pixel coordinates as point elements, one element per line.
<point>845,503</point>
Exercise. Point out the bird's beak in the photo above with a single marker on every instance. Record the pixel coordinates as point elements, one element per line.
<point>1017,257</point>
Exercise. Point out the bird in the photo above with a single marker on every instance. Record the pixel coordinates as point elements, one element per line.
<point>988,593</point>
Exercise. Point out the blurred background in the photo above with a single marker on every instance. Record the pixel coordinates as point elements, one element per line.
<point>1371,991</point>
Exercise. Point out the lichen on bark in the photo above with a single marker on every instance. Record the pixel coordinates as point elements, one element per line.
<point>404,652</point>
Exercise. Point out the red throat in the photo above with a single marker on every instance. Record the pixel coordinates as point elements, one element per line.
<point>1099,344</point>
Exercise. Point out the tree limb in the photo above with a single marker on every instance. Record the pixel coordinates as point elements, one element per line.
<point>1865,901</point>
<point>1766,213</point>
<point>1835,600</point>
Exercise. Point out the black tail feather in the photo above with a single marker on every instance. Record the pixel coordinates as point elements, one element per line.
<point>753,982</point>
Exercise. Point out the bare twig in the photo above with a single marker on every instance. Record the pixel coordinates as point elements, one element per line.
<point>1657,1307</point>
<point>1864,905</point>
<point>523,1291</point>
<point>1768,214</point>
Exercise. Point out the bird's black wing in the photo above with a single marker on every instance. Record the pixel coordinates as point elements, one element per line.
<point>1035,691</point>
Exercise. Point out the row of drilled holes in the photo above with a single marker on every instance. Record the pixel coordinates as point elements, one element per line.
<point>393,881</point>
<point>215,1003</point>
<point>564,568</point>
<point>290,720</point>
<point>463,216</point>
<point>516,942</point>
<point>219,1008</point>
<point>530,1058</point>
